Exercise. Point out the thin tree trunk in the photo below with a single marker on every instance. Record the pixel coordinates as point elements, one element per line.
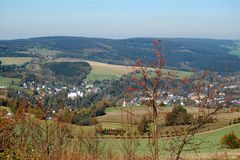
<point>154,111</point>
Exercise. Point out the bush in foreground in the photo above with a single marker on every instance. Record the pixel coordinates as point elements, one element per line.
<point>230,141</point>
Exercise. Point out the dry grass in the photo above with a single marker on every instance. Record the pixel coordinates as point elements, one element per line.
<point>100,70</point>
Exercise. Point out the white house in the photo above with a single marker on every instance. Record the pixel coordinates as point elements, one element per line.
<point>75,94</point>
<point>72,95</point>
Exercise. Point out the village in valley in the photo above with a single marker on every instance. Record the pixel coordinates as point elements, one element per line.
<point>87,88</point>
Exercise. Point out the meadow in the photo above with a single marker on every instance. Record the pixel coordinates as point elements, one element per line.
<point>210,137</point>
<point>210,145</point>
<point>211,134</point>
<point>9,82</point>
<point>15,60</point>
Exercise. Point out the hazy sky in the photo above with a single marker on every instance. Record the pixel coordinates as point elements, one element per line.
<point>120,18</point>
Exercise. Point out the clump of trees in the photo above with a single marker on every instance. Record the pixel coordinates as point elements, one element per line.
<point>230,141</point>
<point>100,106</point>
<point>235,121</point>
<point>87,116</point>
<point>178,116</point>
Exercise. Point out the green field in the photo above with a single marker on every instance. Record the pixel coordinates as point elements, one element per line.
<point>9,82</point>
<point>102,71</point>
<point>210,145</point>
<point>15,60</point>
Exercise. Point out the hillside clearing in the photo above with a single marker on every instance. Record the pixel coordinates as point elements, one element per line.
<point>15,60</point>
<point>101,71</point>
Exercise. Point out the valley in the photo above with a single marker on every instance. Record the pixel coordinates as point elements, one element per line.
<point>108,100</point>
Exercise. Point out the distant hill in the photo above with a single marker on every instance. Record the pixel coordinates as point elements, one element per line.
<point>180,53</point>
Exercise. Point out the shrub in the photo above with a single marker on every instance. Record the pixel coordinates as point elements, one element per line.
<point>143,126</point>
<point>238,120</point>
<point>111,131</point>
<point>230,141</point>
<point>167,132</point>
<point>100,111</point>
<point>37,112</point>
<point>235,121</point>
<point>83,117</point>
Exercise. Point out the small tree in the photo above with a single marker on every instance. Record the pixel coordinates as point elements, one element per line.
<point>152,82</point>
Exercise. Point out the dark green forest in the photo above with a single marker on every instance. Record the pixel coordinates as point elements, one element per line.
<point>180,53</point>
<point>70,72</point>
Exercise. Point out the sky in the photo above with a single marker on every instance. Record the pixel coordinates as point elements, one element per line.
<point>118,19</point>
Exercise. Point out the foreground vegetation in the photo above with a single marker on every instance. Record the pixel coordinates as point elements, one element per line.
<point>60,139</point>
